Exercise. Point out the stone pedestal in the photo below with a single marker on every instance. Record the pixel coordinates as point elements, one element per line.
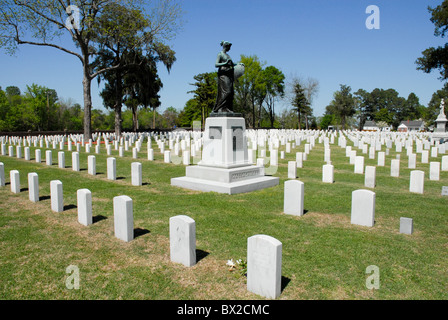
<point>224,167</point>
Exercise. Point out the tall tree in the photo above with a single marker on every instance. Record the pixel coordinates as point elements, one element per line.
<point>299,102</point>
<point>275,89</point>
<point>205,92</point>
<point>437,58</point>
<point>78,20</point>
<point>342,105</point>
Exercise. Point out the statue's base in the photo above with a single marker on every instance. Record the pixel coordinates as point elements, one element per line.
<point>231,181</point>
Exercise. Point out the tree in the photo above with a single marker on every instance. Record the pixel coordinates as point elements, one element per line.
<point>342,105</point>
<point>299,101</point>
<point>437,58</point>
<point>79,21</point>
<point>205,93</point>
<point>191,112</point>
<point>275,88</point>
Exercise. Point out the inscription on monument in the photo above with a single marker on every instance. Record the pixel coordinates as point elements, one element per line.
<point>244,174</point>
<point>215,132</point>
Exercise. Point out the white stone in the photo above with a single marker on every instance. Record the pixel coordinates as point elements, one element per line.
<point>2,175</point>
<point>412,159</point>
<point>434,152</point>
<point>27,153</point>
<point>417,181</point>
<point>91,165</point>
<point>293,198</point>
<point>299,159</point>
<point>183,240</point>
<point>38,155</point>
<point>151,154</point>
<point>123,218</point>
<point>84,204</point>
<point>425,156</point>
<point>381,159</point>
<point>292,170</point>
<point>363,208</point>
<point>264,266</point>
<point>406,225</point>
<point>370,177</point>
<point>33,187</point>
<point>14,177</point>
<point>434,171</point>
<point>56,196</point>
<point>48,158</point>
<point>61,159</point>
<point>111,168</point>
<point>19,152</point>
<point>136,173</point>
<point>395,168</point>
<point>328,173</point>
<point>186,157</point>
<point>359,165</point>
<point>75,161</point>
<point>445,163</point>
<point>167,156</point>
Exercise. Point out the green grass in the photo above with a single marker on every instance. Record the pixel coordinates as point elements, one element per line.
<point>324,256</point>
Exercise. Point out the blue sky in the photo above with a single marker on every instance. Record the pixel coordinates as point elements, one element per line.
<point>323,39</point>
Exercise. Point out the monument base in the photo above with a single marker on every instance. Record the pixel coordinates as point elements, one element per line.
<point>221,180</point>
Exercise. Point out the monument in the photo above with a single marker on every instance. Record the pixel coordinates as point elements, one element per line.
<point>440,133</point>
<point>224,167</point>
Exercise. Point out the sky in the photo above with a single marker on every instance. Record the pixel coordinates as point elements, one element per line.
<point>326,40</point>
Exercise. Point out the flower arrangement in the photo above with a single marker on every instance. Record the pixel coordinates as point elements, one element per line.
<point>239,265</point>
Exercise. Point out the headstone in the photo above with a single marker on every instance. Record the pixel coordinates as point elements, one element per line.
<point>412,159</point>
<point>381,159</point>
<point>293,198</point>
<point>61,159</point>
<point>151,154</point>
<point>136,174</point>
<point>38,155</point>
<point>75,161</point>
<point>56,196</point>
<point>186,158</point>
<point>359,164</point>
<point>417,181</point>
<point>406,225</point>
<point>445,163</point>
<point>123,218</point>
<point>167,156</point>
<point>33,187</point>
<point>14,177</point>
<point>363,208</point>
<point>91,165</point>
<point>27,153</point>
<point>434,152</point>
<point>183,240</point>
<point>264,266</point>
<point>444,191</point>
<point>328,173</point>
<point>84,204</point>
<point>395,168</point>
<point>370,177</point>
<point>434,171</point>
<point>111,169</point>
<point>134,153</point>
<point>425,156</point>
<point>48,158</point>
<point>292,170</point>
<point>299,159</point>
<point>2,175</point>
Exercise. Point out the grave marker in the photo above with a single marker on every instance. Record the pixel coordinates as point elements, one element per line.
<point>183,240</point>
<point>123,218</point>
<point>363,208</point>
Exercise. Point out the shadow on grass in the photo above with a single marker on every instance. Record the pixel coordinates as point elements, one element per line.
<point>69,207</point>
<point>201,254</point>
<point>43,198</point>
<point>285,282</point>
<point>98,218</point>
<point>140,232</point>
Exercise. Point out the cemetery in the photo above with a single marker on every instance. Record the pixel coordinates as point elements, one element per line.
<point>344,201</point>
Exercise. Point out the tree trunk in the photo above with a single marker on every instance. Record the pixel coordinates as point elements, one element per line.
<point>118,121</point>
<point>300,126</point>
<point>134,118</point>
<point>86,83</point>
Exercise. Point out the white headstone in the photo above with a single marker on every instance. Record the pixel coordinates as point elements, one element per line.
<point>445,163</point>
<point>186,157</point>
<point>167,156</point>
<point>151,154</point>
<point>75,161</point>
<point>33,186</point>
<point>136,173</point>
<point>27,153</point>
<point>293,199</point>
<point>111,169</point>
<point>417,181</point>
<point>370,177</point>
<point>412,161</point>
<point>264,266</point>
<point>38,155</point>
<point>292,170</point>
<point>56,196</point>
<point>91,165</point>
<point>2,175</point>
<point>395,168</point>
<point>434,171</point>
<point>84,204</point>
<point>299,159</point>
<point>328,173</point>
<point>48,158</point>
<point>406,225</point>
<point>425,156</point>
<point>183,240</point>
<point>14,177</point>
<point>123,218</point>
<point>359,164</point>
<point>381,159</point>
<point>363,208</point>
<point>61,159</point>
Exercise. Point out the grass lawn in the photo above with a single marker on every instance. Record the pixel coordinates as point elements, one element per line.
<point>324,256</point>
